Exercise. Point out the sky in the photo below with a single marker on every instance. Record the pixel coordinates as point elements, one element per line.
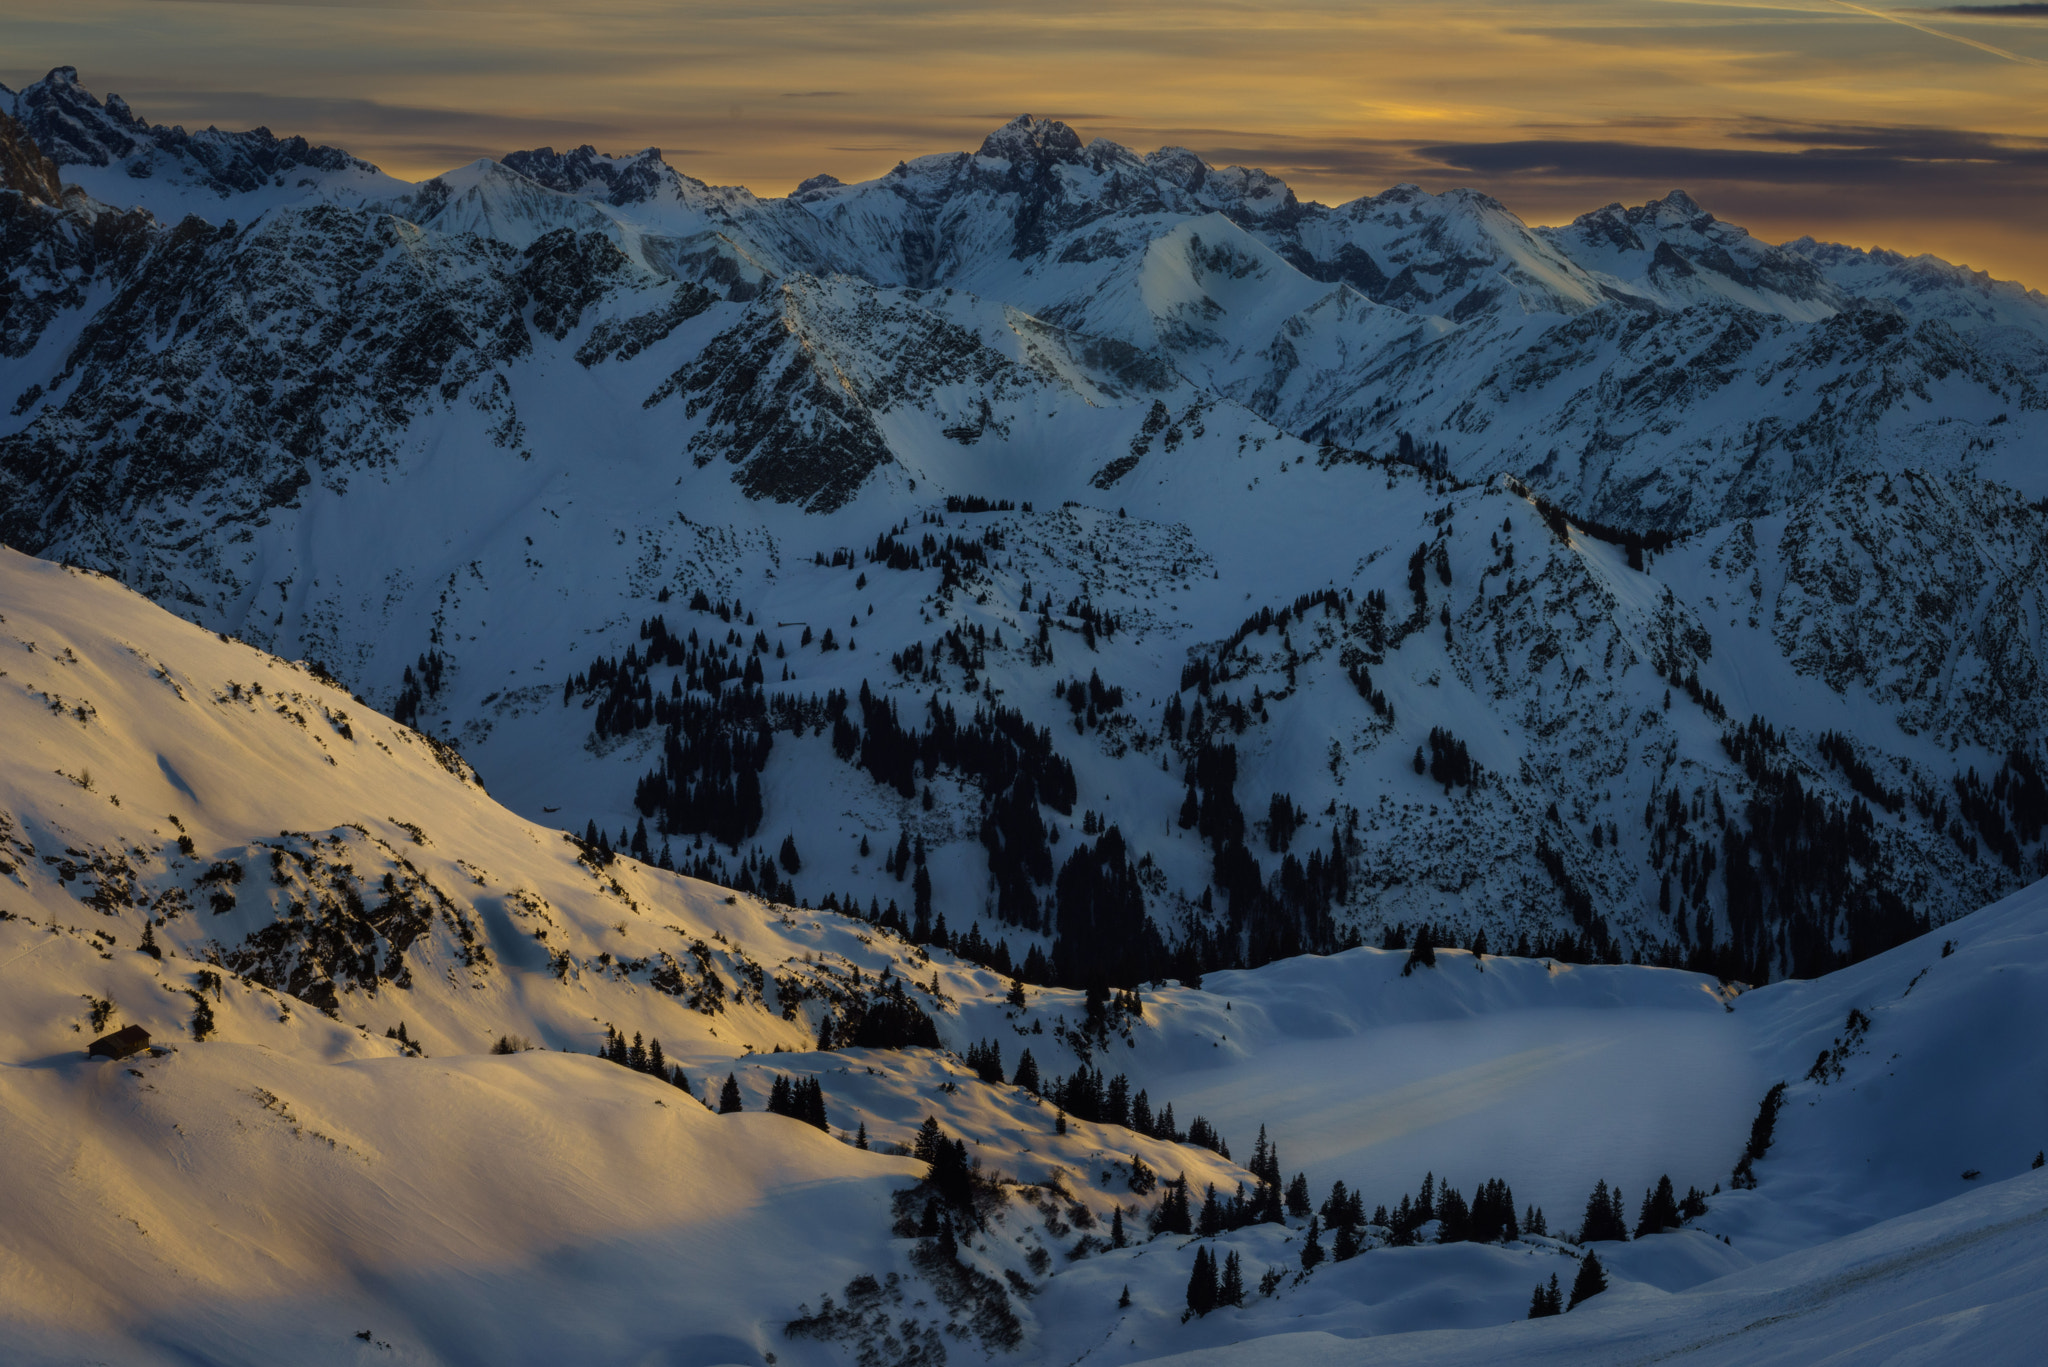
<point>1918,129</point>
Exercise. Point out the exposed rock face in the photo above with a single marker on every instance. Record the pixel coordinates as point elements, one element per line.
<point>506,414</point>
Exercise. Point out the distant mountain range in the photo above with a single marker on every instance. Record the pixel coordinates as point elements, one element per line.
<point>1626,588</point>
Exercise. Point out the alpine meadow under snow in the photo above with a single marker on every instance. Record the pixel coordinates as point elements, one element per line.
<point>1096,763</point>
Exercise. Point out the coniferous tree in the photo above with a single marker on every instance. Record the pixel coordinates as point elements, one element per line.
<point>1172,1216</point>
<point>657,1063</point>
<point>1660,1209</point>
<point>1601,1221</point>
<point>1591,1281</point>
<point>1202,1283</point>
<point>1454,1218</point>
<point>729,1096</point>
<point>1534,1223</point>
<point>1016,996</point>
<point>1123,1302</point>
<point>1311,1245</point>
<point>1117,1237</point>
<point>1027,1073</point>
<point>1210,1222</point>
<point>680,1082</point>
<point>1548,1300</point>
<point>1346,1246</point>
<point>1231,1290</point>
<point>860,1138</point>
<point>1297,1195</point>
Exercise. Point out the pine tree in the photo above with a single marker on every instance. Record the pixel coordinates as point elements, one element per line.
<point>1123,1302</point>
<point>1601,1221</point>
<point>1210,1222</point>
<point>1202,1283</point>
<point>860,1138</point>
<point>1172,1216</point>
<point>636,1056</point>
<point>1312,1245</point>
<point>1027,1073</point>
<point>1117,1237</point>
<point>1546,1300</point>
<point>1454,1218</point>
<point>1591,1281</point>
<point>1660,1209</point>
<point>1297,1195</point>
<point>1346,1247</point>
<point>680,1082</point>
<point>657,1064</point>
<point>729,1096</point>
<point>1016,997</point>
<point>1231,1292</point>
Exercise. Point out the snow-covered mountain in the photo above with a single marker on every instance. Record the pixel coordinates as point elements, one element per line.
<point>1627,589</point>
<point>325,923</point>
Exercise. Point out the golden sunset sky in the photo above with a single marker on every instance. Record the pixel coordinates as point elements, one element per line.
<point>1920,129</point>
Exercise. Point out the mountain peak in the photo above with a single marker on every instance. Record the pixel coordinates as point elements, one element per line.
<point>1027,139</point>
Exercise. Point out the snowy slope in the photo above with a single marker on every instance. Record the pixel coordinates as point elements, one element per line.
<point>296,1177</point>
<point>510,416</point>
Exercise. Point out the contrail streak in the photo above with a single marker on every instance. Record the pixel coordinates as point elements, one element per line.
<point>1935,32</point>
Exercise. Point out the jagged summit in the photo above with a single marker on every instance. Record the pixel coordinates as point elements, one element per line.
<point>1030,141</point>
<point>619,180</point>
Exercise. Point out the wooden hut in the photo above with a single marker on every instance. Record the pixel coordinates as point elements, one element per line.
<point>129,1039</point>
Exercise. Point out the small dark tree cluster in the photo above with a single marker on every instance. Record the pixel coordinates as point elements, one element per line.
<point>1449,763</point>
<point>1761,1132</point>
<point>1092,703</point>
<point>1210,1290</point>
<point>975,503</point>
<point>952,1176</point>
<point>1606,1218</point>
<point>799,1099</point>
<point>1660,1209</point>
<point>643,1058</point>
<point>422,681</point>
<point>885,1018</point>
<point>986,1059</point>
